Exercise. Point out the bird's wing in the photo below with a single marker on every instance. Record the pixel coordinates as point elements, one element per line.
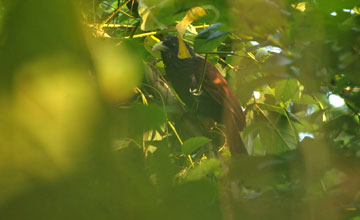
<point>218,88</point>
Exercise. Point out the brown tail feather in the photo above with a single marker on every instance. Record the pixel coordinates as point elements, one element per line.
<point>234,140</point>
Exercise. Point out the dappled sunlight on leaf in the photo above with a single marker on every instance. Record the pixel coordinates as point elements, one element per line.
<point>301,6</point>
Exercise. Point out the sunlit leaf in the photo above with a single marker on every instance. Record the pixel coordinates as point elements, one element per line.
<point>301,6</point>
<point>183,51</point>
<point>205,168</point>
<point>145,13</point>
<point>192,15</point>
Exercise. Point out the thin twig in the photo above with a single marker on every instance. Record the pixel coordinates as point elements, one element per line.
<point>121,11</point>
<point>181,142</point>
<point>109,5</point>
<point>113,14</point>
<point>203,73</point>
<point>132,26</point>
<point>229,53</point>
<point>146,34</point>
<point>291,125</point>
<point>114,25</point>
<point>227,64</point>
<point>160,32</point>
<point>175,132</point>
<point>134,30</point>
<point>125,13</point>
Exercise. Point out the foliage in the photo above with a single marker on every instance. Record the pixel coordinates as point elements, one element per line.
<point>90,129</point>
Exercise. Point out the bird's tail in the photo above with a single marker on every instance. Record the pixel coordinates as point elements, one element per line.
<point>233,137</point>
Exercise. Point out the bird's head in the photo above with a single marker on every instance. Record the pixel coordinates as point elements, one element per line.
<point>169,49</point>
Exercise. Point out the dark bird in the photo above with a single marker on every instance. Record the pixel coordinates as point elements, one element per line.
<point>215,100</point>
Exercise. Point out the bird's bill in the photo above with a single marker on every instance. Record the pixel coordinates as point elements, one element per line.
<point>159,47</point>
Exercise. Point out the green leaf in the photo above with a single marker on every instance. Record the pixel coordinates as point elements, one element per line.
<point>192,200</point>
<point>207,167</point>
<point>305,99</point>
<point>160,164</point>
<point>272,108</point>
<point>193,144</point>
<point>210,38</point>
<point>286,90</point>
<point>262,171</point>
<point>143,117</point>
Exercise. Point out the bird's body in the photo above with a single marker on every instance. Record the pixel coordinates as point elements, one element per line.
<point>216,99</point>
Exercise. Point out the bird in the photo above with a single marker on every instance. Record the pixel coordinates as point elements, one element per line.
<point>216,99</point>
